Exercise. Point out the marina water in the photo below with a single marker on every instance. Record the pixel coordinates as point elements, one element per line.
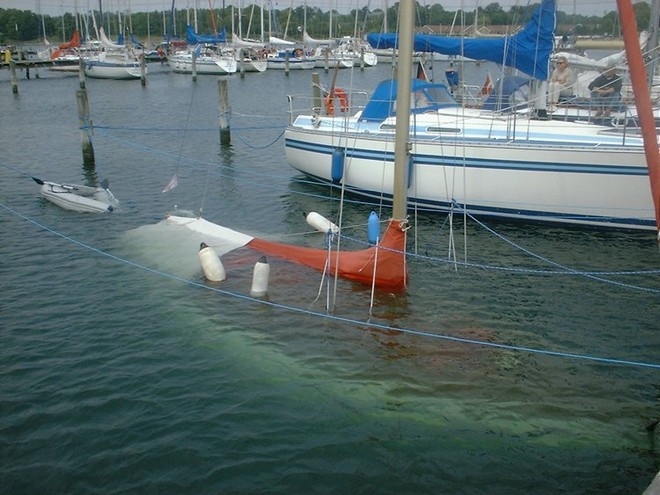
<point>528,366</point>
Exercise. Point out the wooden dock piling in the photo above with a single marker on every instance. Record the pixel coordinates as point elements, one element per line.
<point>12,77</point>
<point>85,125</point>
<point>223,108</point>
<point>81,73</point>
<point>316,94</point>
<point>143,69</point>
<point>241,63</point>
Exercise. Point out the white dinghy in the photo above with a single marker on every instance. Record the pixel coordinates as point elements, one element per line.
<point>75,197</point>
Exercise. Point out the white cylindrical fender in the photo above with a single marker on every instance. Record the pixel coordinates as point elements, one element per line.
<point>260,278</point>
<point>211,264</point>
<point>320,223</point>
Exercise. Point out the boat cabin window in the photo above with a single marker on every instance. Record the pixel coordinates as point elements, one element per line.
<point>443,130</point>
<point>431,98</point>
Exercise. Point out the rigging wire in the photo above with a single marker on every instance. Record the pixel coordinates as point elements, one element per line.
<point>185,128</point>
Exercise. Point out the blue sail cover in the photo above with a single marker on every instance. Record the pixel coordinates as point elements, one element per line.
<point>194,38</point>
<point>528,51</point>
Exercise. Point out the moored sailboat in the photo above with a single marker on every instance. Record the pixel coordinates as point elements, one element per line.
<point>483,163</point>
<point>205,54</point>
<point>114,61</point>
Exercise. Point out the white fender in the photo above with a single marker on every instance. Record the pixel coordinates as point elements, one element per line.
<point>260,278</point>
<point>320,223</point>
<point>211,264</point>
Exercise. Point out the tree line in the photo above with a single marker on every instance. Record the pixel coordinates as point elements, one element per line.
<point>25,26</point>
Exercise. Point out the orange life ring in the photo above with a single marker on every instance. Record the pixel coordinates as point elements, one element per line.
<point>330,101</point>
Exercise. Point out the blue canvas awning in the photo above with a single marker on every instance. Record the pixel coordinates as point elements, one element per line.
<point>194,38</point>
<point>528,51</point>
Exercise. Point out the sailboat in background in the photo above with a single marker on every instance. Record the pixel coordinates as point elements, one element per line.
<point>382,265</point>
<point>250,54</point>
<point>114,61</point>
<point>483,163</point>
<point>326,54</point>
<point>66,58</point>
<point>207,54</point>
<point>204,53</point>
<point>326,50</point>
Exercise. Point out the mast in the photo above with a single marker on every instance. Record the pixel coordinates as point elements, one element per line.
<point>404,85</point>
<point>215,27</point>
<point>642,101</point>
<point>262,21</point>
<point>330,23</point>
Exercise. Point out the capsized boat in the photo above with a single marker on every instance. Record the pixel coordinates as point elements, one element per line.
<point>84,199</point>
<point>482,162</point>
<point>382,265</point>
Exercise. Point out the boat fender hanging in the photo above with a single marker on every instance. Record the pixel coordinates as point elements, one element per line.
<point>337,166</point>
<point>211,264</point>
<point>330,101</point>
<point>411,169</point>
<point>320,223</point>
<point>260,277</point>
<point>373,228</point>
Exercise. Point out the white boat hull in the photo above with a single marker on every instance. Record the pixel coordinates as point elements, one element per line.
<point>291,63</point>
<point>116,63</point>
<point>210,65</point>
<point>253,65</point>
<point>333,62</point>
<point>83,199</point>
<point>327,58</point>
<point>113,70</point>
<point>368,59</point>
<point>549,174</point>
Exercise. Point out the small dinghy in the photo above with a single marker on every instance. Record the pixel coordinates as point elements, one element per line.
<point>79,198</point>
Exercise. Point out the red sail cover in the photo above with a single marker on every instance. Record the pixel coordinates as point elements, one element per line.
<point>73,43</point>
<point>388,259</point>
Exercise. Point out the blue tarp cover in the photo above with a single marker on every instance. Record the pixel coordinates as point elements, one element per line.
<point>194,38</point>
<point>528,51</point>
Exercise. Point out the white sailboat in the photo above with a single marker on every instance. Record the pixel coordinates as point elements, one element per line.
<point>204,59</point>
<point>250,54</point>
<point>114,61</point>
<point>205,54</point>
<point>483,163</point>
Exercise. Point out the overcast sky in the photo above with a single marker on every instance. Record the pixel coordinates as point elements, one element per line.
<point>57,7</point>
